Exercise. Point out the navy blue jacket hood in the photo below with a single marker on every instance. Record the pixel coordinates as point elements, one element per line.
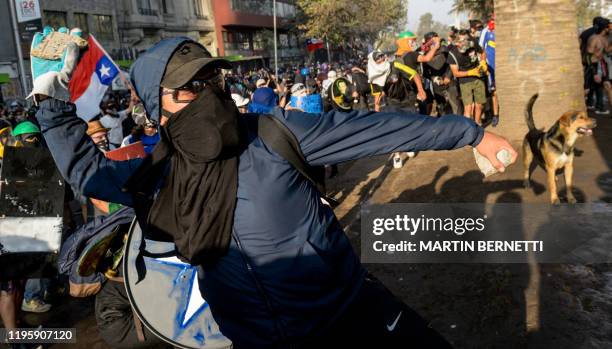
<point>148,70</point>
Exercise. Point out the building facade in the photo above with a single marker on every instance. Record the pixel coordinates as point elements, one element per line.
<point>142,23</point>
<point>97,17</point>
<point>9,72</point>
<point>245,28</point>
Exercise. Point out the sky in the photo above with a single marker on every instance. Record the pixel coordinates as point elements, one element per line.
<point>439,9</point>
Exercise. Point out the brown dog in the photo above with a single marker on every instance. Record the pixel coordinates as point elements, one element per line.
<point>554,149</point>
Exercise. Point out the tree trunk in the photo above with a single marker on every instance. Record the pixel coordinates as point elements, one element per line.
<point>537,52</point>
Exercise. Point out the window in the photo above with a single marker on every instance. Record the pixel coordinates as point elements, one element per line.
<point>144,8</point>
<point>164,6</point>
<point>199,10</point>
<point>80,21</point>
<point>55,19</point>
<point>257,7</point>
<point>263,7</point>
<point>144,4</point>
<point>103,27</point>
<point>236,40</point>
<point>263,40</point>
<point>283,40</point>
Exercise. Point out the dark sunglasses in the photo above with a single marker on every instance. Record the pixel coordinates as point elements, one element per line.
<point>196,86</point>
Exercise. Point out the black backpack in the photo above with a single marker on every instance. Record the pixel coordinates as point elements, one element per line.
<point>360,80</point>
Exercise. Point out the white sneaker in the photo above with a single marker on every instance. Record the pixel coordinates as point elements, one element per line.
<point>397,161</point>
<point>601,112</point>
<point>35,306</point>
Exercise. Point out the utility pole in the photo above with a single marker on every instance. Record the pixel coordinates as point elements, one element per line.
<point>275,44</point>
<point>328,55</point>
<point>22,73</point>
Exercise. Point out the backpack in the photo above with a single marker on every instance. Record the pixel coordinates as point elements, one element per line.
<point>75,244</point>
<point>360,80</point>
<point>397,86</point>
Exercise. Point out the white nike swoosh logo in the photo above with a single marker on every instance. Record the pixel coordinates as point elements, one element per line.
<point>392,327</point>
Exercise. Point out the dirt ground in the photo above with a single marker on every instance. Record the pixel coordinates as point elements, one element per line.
<point>475,305</point>
<point>493,305</point>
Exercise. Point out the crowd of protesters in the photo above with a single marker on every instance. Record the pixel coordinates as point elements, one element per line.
<point>438,74</point>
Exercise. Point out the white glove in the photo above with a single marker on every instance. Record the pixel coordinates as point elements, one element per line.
<point>52,75</point>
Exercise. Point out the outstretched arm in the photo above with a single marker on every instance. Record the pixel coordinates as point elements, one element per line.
<point>337,137</point>
<point>78,159</point>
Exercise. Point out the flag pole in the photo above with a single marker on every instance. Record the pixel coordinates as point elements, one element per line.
<point>275,44</point>
<point>327,44</point>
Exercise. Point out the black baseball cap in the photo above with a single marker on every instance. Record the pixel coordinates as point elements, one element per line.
<point>189,59</point>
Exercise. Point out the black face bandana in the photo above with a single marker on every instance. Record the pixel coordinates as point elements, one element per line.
<point>197,201</point>
<point>103,145</point>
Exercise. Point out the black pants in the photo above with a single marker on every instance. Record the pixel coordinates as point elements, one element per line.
<point>448,101</point>
<point>596,90</point>
<point>378,319</point>
<point>116,320</point>
<point>362,104</point>
<point>407,105</point>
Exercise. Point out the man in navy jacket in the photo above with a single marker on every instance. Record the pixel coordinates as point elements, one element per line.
<point>290,277</point>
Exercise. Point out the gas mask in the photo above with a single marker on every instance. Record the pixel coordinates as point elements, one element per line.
<point>139,115</point>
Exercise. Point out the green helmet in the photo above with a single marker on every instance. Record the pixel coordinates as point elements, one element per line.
<point>25,128</point>
<point>407,35</point>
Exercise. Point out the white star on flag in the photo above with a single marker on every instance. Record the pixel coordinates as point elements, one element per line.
<point>104,71</point>
<point>195,302</point>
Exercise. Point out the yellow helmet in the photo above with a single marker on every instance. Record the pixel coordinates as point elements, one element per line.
<point>5,133</point>
<point>6,139</point>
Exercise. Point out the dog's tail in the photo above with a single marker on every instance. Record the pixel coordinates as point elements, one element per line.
<point>529,113</point>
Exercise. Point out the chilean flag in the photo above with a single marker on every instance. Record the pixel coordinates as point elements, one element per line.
<point>92,76</point>
<point>314,44</point>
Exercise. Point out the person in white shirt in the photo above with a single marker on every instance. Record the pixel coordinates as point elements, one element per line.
<point>378,71</point>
